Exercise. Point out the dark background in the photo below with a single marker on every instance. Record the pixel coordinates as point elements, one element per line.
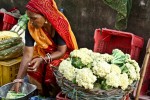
<point>87,15</point>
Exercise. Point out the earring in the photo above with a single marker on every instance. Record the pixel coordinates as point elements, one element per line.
<point>46,22</point>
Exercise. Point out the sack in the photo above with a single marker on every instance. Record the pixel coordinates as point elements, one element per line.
<point>8,18</point>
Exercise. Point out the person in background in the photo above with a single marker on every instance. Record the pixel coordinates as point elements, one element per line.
<point>48,40</point>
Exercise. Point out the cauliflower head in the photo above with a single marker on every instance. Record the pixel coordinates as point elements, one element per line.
<point>124,81</point>
<point>85,78</point>
<point>67,69</point>
<point>113,79</point>
<point>101,68</point>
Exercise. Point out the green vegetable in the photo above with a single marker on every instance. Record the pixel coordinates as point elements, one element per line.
<point>7,43</point>
<point>104,86</point>
<point>119,57</point>
<point>14,95</point>
<point>21,25</point>
<point>12,52</point>
<point>74,81</point>
<point>77,63</point>
<point>23,21</point>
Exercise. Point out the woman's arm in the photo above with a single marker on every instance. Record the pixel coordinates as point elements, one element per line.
<point>27,57</point>
<point>59,53</point>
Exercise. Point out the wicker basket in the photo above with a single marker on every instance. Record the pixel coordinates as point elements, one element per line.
<point>76,92</point>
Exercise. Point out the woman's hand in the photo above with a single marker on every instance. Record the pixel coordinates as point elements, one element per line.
<point>17,85</point>
<point>34,64</point>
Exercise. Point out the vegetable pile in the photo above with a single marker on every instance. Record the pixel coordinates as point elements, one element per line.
<point>14,95</point>
<point>11,48</point>
<point>93,70</point>
<point>11,42</point>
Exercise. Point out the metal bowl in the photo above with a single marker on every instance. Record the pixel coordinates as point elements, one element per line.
<point>26,88</point>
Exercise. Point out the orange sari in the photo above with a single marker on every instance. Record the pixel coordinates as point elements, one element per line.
<point>44,43</point>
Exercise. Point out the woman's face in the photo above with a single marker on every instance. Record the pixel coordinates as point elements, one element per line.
<point>36,20</point>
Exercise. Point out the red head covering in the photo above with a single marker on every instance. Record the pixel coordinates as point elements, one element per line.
<point>49,9</point>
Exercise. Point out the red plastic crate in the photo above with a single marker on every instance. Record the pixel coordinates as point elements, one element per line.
<point>61,96</point>
<point>7,21</point>
<point>106,40</point>
<point>145,88</point>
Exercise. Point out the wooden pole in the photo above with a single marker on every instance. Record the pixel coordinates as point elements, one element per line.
<point>144,66</point>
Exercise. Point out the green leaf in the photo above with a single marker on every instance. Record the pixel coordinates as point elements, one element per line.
<point>104,86</point>
<point>74,81</point>
<point>76,62</point>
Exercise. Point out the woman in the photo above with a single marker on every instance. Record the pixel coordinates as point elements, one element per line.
<point>51,31</point>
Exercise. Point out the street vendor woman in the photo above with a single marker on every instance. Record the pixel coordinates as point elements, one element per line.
<point>48,40</point>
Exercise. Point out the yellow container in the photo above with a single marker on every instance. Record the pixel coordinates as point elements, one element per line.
<point>9,70</point>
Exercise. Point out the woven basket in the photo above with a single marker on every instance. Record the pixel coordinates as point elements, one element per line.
<point>76,92</point>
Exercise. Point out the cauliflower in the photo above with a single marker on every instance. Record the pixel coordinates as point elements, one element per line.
<point>130,81</point>
<point>85,78</point>
<point>64,65</point>
<point>102,57</point>
<point>81,51</point>
<point>133,68</point>
<point>106,57</point>
<point>85,50</point>
<point>75,53</point>
<point>101,68</point>
<point>137,68</point>
<point>86,59</point>
<point>95,55</point>
<point>132,72</point>
<point>124,81</point>
<point>83,54</point>
<point>70,73</point>
<point>113,79</point>
<point>67,69</point>
<point>115,68</point>
<point>86,68</point>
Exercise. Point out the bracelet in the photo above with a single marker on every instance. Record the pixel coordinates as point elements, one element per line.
<point>49,57</point>
<point>43,59</point>
<point>18,80</point>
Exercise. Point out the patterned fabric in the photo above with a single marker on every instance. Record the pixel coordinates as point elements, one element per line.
<point>49,9</point>
<point>123,8</point>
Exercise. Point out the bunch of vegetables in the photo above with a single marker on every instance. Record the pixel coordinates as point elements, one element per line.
<point>12,42</point>
<point>11,48</point>
<point>14,95</point>
<point>20,27</point>
<point>93,70</point>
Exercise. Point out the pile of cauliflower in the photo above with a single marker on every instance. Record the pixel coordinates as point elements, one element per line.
<point>93,70</point>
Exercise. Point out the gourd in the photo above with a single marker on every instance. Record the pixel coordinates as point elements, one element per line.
<point>7,34</point>
<point>7,43</point>
<point>11,45</point>
<point>12,52</point>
